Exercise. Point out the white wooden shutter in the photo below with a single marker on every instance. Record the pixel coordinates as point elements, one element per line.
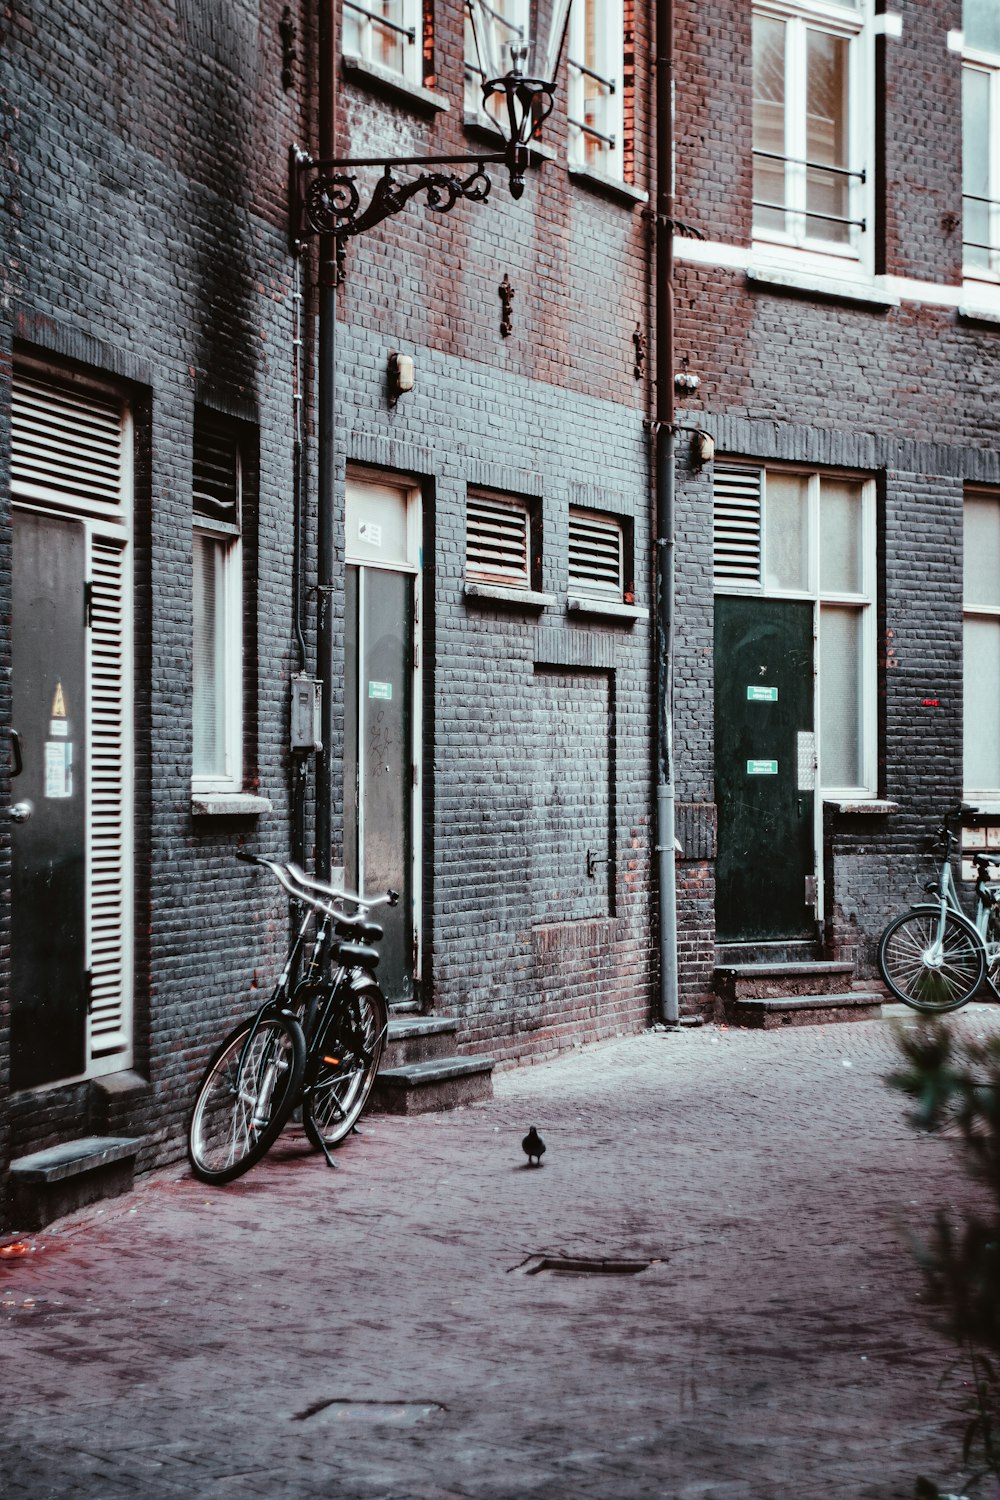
<point>110,802</point>
<point>497,544</point>
<point>67,447</point>
<point>736,529</point>
<point>595,555</point>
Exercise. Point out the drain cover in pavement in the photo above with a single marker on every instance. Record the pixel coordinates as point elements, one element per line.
<point>400,1413</point>
<point>581,1265</point>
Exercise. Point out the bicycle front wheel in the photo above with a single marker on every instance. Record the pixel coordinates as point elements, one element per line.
<point>248,1092</point>
<point>928,976</point>
<point>344,1064</point>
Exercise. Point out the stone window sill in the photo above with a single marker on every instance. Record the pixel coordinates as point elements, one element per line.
<point>497,593</point>
<point>608,609</point>
<point>825,288</point>
<point>384,81</point>
<point>228,805</point>
<point>877,806</point>
<point>610,187</point>
<point>986,807</point>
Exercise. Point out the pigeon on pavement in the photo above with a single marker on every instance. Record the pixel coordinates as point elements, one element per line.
<point>533,1147</point>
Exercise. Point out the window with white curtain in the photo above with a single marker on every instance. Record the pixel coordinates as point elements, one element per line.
<point>217,645</point>
<point>981,139</point>
<point>386,33</point>
<point>812,125</point>
<point>596,54</point>
<point>981,655</point>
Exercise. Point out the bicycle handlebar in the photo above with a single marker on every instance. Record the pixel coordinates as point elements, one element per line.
<point>303,887</point>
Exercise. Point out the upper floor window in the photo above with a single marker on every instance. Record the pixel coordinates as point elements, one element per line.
<point>387,33</point>
<point>981,138</point>
<point>595,104</point>
<point>811,125</point>
<point>217,606</point>
<point>981,642</point>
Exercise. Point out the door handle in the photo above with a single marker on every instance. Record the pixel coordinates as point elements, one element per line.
<point>20,812</point>
<point>15,745</point>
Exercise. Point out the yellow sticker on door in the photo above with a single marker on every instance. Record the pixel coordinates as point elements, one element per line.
<point>58,703</point>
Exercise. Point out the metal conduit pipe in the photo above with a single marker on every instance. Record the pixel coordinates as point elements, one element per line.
<point>326,497</point>
<point>663,428</point>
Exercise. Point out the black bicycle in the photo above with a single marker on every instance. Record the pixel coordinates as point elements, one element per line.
<point>316,1042</point>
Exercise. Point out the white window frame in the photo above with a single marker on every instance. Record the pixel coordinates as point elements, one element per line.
<point>596,144</point>
<point>864,601</point>
<point>229,662</point>
<point>372,31</point>
<point>794,246</point>
<point>971,715</point>
<point>988,64</point>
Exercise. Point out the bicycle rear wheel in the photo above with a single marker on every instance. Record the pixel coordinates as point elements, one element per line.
<point>248,1092</point>
<point>344,1063</point>
<point>917,973</point>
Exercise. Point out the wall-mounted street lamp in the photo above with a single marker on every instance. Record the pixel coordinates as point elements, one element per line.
<point>518,66</point>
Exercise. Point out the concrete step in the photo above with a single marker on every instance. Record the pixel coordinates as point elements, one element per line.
<point>440,1083</point>
<point>767,981</point>
<point>767,1013</point>
<point>800,951</point>
<point>48,1184</point>
<point>413,1039</point>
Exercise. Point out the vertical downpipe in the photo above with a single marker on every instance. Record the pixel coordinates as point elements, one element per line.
<point>664,430</point>
<point>326,502</point>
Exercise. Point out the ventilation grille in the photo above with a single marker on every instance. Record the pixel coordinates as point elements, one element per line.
<point>216,478</point>
<point>497,541</point>
<point>595,555</point>
<point>737,527</point>
<point>109,917</point>
<point>67,446</point>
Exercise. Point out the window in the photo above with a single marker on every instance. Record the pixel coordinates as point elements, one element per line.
<point>981,139</point>
<point>510,26</point>
<point>217,648</point>
<point>596,65</point>
<point>498,542</point>
<point>386,33</point>
<point>783,534</point>
<point>811,125</point>
<point>596,556</point>
<point>981,632</point>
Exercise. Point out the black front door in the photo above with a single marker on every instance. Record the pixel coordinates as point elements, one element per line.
<point>764,769</point>
<point>48,980</point>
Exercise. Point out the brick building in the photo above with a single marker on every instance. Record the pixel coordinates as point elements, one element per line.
<point>492,603</point>
<point>157,554</point>
<point>842,313</point>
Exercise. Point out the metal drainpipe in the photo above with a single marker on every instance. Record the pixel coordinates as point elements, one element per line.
<point>327,456</point>
<point>664,430</point>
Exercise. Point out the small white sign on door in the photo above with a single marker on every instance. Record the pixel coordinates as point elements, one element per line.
<point>58,768</point>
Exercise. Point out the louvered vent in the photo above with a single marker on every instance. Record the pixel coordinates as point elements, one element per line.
<point>67,445</point>
<point>737,527</point>
<point>216,478</point>
<point>497,541</point>
<point>109,917</point>
<point>595,555</point>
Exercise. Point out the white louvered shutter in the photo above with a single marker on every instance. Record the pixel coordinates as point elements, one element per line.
<point>109,917</point>
<point>595,555</point>
<point>736,527</point>
<point>497,541</point>
<point>67,447</point>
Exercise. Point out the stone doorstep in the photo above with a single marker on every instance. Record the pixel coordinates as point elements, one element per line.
<point>766,981</point>
<point>414,1039</point>
<point>767,1013</point>
<point>440,1083</point>
<point>50,1183</point>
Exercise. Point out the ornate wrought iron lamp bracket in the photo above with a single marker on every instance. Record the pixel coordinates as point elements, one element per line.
<point>325,198</point>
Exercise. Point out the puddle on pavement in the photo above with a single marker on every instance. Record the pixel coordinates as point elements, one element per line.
<point>399,1413</point>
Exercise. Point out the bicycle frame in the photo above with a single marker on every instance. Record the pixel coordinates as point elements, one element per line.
<point>945,890</point>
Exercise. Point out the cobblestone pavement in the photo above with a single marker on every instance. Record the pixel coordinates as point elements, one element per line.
<point>375,1333</point>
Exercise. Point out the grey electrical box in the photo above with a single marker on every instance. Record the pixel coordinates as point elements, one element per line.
<point>305,728</point>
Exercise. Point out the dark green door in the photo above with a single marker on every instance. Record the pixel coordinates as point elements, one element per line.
<point>48,981</point>
<point>764,769</point>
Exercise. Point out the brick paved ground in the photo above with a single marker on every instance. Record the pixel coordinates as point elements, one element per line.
<point>191,1341</point>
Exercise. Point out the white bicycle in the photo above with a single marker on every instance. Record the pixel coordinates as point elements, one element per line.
<point>934,957</point>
